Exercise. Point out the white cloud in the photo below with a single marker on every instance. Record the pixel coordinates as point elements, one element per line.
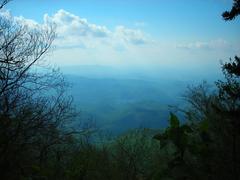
<point>5,14</point>
<point>69,24</point>
<point>136,37</point>
<point>217,44</point>
<point>30,23</point>
<point>78,32</point>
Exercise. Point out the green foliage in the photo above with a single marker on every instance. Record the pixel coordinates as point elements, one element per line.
<point>174,122</point>
<point>208,146</point>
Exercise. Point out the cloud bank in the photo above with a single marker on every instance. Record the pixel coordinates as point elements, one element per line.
<point>74,31</point>
<point>82,42</point>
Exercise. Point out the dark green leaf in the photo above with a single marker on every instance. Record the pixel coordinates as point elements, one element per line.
<point>174,122</point>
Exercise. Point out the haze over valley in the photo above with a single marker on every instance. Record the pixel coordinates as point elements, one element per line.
<point>119,99</point>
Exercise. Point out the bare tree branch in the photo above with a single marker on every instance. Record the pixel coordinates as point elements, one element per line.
<point>3,3</point>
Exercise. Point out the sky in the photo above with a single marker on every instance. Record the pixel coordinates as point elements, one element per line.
<point>136,33</point>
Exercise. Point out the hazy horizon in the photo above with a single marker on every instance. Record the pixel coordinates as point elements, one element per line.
<point>147,34</point>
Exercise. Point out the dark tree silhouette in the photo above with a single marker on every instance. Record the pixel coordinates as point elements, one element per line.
<point>235,11</point>
<point>33,103</point>
<point>233,67</point>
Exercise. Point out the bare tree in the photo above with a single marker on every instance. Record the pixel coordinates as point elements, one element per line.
<point>33,102</point>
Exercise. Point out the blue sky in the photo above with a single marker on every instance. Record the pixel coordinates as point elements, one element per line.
<point>136,32</point>
<point>163,17</point>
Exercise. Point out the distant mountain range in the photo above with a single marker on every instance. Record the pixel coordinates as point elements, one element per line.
<point>120,100</point>
<point>144,73</point>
